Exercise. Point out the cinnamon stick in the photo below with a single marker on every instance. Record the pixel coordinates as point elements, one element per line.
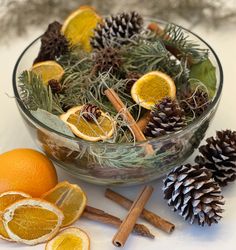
<point>121,108</point>
<point>149,216</point>
<point>159,30</point>
<point>128,223</point>
<point>103,217</point>
<point>143,121</point>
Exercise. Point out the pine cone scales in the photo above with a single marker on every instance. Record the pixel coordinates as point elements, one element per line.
<point>55,86</point>
<point>107,59</point>
<point>219,156</point>
<point>53,43</point>
<point>114,28</point>
<point>90,112</point>
<point>191,191</point>
<point>166,117</point>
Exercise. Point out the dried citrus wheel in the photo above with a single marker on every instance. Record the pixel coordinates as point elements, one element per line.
<point>69,238</point>
<point>7,199</point>
<point>151,88</point>
<point>69,198</point>
<point>32,221</point>
<point>48,70</point>
<point>78,27</point>
<point>102,129</point>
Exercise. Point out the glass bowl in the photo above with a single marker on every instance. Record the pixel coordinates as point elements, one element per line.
<point>117,164</point>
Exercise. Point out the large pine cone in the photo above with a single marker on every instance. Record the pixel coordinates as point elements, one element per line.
<point>191,191</point>
<point>116,29</point>
<point>107,59</point>
<point>219,156</point>
<point>194,101</point>
<point>53,43</point>
<point>166,117</point>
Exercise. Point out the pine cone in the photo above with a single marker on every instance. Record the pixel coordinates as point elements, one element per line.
<point>107,59</point>
<point>90,112</point>
<point>55,86</point>
<point>219,156</point>
<point>194,101</point>
<point>132,77</point>
<point>53,43</point>
<point>116,29</point>
<point>191,191</point>
<point>166,117</point>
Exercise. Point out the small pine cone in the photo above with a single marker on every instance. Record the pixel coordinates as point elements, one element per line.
<point>194,102</point>
<point>191,191</point>
<point>117,29</point>
<point>53,43</point>
<point>166,117</point>
<point>219,156</point>
<point>131,77</point>
<point>90,112</point>
<point>107,59</point>
<point>55,86</point>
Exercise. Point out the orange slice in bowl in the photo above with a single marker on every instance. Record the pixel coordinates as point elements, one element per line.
<point>79,26</point>
<point>102,129</point>
<point>32,221</point>
<point>151,88</point>
<point>6,199</point>
<point>70,198</point>
<point>69,238</point>
<point>48,70</point>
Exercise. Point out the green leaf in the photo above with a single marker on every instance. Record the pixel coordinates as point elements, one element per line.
<point>206,73</point>
<point>52,121</point>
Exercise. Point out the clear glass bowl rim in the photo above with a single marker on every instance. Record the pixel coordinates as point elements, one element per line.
<point>161,138</point>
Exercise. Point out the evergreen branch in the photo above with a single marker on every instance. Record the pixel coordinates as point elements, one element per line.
<point>146,56</point>
<point>185,48</point>
<point>35,95</point>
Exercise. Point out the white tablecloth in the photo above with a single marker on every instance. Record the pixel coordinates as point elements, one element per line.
<point>13,134</point>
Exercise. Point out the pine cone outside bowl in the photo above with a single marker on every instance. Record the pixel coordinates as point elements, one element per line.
<point>192,192</point>
<point>92,161</point>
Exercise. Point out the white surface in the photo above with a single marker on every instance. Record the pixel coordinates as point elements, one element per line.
<point>13,134</point>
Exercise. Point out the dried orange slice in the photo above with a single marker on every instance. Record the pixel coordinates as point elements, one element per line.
<point>70,198</point>
<point>102,129</point>
<point>78,27</point>
<point>48,70</point>
<point>151,88</point>
<point>6,199</point>
<point>69,238</point>
<point>32,221</point>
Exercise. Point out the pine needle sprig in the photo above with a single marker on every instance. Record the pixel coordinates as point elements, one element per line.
<point>34,93</point>
<point>186,48</point>
<point>146,56</point>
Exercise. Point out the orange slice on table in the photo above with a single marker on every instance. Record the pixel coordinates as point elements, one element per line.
<point>70,198</point>
<point>69,238</point>
<point>32,221</point>
<point>151,88</point>
<point>6,199</point>
<point>102,129</point>
<point>79,26</point>
<point>48,70</point>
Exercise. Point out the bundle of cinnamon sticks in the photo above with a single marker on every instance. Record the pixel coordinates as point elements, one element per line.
<point>129,224</point>
<point>135,208</point>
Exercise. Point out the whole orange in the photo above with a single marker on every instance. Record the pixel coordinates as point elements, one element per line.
<point>26,170</point>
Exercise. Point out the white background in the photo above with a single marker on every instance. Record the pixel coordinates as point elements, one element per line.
<point>13,134</point>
